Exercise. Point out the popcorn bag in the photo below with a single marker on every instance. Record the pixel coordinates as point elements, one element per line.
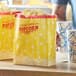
<point>6,35</point>
<point>63,27</point>
<point>72,44</point>
<point>35,40</point>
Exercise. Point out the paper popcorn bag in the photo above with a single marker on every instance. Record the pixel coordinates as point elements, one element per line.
<point>62,28</point>
<point>35,40</point>
<point>6,35</point>
<point>72,45</point>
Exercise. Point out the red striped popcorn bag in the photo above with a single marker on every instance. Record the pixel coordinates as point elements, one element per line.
<point>35,40</point>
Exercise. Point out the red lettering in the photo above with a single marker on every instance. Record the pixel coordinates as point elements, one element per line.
<point>9,25</point>
<point>28,29</point>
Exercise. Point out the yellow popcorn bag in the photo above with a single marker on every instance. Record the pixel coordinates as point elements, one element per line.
<point>7,20</point>
<point>35,40</point>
